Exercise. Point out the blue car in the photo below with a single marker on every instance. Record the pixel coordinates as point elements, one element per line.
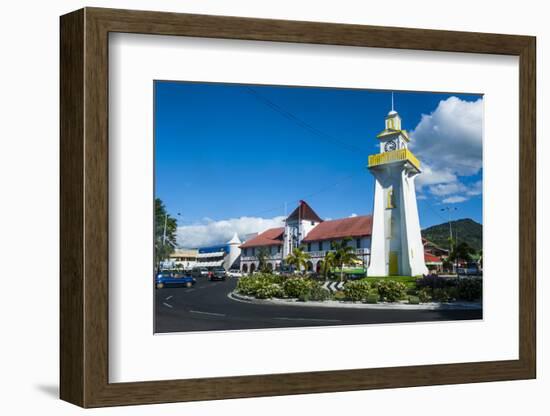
<point>165,279</point>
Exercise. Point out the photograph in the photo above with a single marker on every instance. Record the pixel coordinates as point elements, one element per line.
<point>279,206</point>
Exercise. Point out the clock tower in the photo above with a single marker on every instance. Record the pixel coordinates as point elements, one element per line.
<point>396,243</point>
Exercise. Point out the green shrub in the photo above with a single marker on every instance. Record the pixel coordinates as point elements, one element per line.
<point>414,300</point>
<point>262,286</point>
<point>424,295</point>
<point>469,289</point>
<point>339,295</point>
<point>269,290</point>
<point>390,290</point>
<point>356,290</point>
<point>441,295</point>
<point>295,286</point>
<point>316,293</point>
<point>373,296</point>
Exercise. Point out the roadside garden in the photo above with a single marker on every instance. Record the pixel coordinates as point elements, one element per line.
<point>373,290</point>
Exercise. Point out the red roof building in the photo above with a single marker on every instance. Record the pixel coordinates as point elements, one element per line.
<point>304,212</point>
<point>430,258</point>
<point>271,237</point>
<point>359,226</point>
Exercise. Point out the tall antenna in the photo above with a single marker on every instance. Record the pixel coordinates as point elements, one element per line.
<point>392,101</point>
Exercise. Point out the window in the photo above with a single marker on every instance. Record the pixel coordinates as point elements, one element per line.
<point>308,246</point>
<point>357,243</point>
<point>253,251</point>
<point>278,249</point>
<point>389,203</point>
<point>320,246</point>
<point>244,251</point>
<point>312,222</point>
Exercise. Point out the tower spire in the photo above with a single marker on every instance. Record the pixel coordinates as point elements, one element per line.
<point>392,102</point>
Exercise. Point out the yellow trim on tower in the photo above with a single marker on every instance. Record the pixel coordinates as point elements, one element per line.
<point>394,156</point>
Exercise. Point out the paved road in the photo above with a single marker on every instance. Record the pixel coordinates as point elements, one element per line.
<point>206,306</point>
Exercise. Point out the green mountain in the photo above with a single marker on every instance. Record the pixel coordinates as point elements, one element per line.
<point>464,230</point>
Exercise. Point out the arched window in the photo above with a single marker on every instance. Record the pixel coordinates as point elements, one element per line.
<point>245,268</point>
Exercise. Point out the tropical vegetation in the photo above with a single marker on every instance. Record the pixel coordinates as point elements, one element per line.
<point>165,233</point>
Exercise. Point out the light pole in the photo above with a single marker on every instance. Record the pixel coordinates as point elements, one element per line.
<point>449,209</point>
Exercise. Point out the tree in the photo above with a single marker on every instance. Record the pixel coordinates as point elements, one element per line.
<point>165,233</point>
<point>327,263</point>
<point>262,256</point>
<point>298,258</point>
<point>343,254</point>
<point>461,251</point>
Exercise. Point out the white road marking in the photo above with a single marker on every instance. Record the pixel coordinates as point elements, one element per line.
<point>308,319</point>
<point>167,304</point>
<point>208,313</point>
<point>169,297</point>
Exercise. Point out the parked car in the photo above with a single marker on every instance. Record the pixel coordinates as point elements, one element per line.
<point>217,273</point>
<point>471,269</point>
<point>164,279</point>
<point>234,273</point>
<point>199,272</point>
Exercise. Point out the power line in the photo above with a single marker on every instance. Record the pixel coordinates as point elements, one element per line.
<point>319,191</point>
<point>287,114</point>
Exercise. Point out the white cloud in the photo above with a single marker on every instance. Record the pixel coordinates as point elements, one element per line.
<point>454,199</point>
<point>449,143</point>
<point>210,232</point>
<point>444,189</point>
<point>353,215</point>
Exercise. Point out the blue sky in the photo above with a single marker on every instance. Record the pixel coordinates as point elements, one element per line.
<point>228,156</point>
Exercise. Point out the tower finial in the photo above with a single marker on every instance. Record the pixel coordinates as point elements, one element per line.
<point>392,102</point>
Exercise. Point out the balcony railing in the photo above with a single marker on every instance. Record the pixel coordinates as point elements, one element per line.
<point>394,156</point>
<point>277,256</point>
<point>359,252</point>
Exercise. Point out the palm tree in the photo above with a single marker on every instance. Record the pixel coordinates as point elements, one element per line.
<point>343,254</point>
<point>262,256</point>
<point>298,258</point>
<point>327,263</point>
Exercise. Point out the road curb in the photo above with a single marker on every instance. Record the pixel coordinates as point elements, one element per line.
<point>354,305</point>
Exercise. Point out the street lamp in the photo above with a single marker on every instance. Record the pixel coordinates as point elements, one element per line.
<point>449,209</point>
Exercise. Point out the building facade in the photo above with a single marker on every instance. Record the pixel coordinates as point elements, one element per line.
<point>225,255</point>
<point>304,228</point>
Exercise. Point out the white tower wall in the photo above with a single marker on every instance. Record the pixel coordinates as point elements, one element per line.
<point>396,247</point>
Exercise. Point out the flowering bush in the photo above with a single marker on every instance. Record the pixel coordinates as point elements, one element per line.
<point>316,293</point>
<point>356,290</point>
<point>268,291</point>
<point>390,290</point>
<point>262,286</point>
<point>293,287</point>
<point>424,295</point>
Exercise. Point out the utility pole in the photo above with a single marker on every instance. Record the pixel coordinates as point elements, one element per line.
<point>449,209</point>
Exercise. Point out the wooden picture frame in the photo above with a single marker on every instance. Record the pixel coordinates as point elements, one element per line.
<point>84,207</point>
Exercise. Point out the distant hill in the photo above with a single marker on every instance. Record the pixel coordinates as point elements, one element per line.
<point>467,229</point>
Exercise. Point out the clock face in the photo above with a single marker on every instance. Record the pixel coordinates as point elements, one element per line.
<point>390,146</point>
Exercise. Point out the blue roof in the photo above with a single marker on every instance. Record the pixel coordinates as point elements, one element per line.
<point>213,249</point>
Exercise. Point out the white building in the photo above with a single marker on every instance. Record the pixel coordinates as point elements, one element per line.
<point>304,228</point>
<point>387,243</point>
<point>181,258</point>
<point>225,255</point>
